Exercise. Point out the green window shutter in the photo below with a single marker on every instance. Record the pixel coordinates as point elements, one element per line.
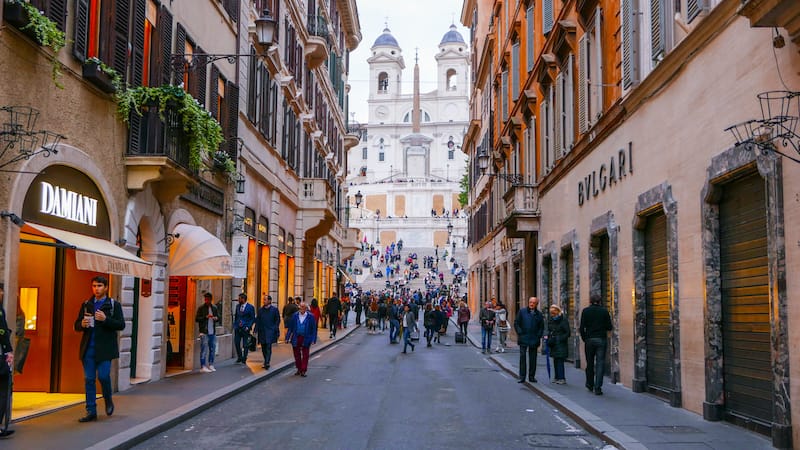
<point>504,93</point>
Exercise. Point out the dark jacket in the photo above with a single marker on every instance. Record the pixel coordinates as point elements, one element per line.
<point>529,326</point>
<point>289,309</point>
<point>463,314</point>
<point>202,317</point>
<point>334,305</point>
<point>268,324</point>
<point>106,346</point>
<point>310,336</point>
<point>595,322</point>
<point>429,319</point>
<point>5,335</point>
<point>487,318</point>
<point>441,318</point>
<point>558,336</point>
<point>244,319</point>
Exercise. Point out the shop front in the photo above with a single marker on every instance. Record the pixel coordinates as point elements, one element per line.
<point>64,242</point>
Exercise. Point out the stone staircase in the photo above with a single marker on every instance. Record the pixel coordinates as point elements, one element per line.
<point>368,282</point>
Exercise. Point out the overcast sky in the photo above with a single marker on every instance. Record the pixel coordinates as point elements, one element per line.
<point>414,23</point>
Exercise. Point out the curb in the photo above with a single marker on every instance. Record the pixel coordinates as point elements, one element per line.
<point>152,427</point>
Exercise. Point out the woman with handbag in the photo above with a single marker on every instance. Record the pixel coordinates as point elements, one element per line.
<point>557,341</point>
<point>487,318</point>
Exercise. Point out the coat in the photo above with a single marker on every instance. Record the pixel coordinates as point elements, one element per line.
<point>463,314</point>
<point>202,317</point>
<point>334,306</point>
<point>106,346</point>
<point>244,319</point>
<point>529,326</point>
<point>558,336</point>
<point>268,324</point>
<point>5,335</point>
<point>311,330</point>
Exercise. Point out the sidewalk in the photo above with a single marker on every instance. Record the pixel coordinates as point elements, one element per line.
<point>624,418</point>
<point>146,409</point>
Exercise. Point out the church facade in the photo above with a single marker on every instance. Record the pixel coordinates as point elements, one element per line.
<point>408,164</point>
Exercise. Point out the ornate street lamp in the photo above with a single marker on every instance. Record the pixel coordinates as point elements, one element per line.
<point>483,164</point>
<point>359,196</point>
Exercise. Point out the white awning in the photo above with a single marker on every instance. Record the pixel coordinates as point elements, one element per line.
<point>98,255</point>
<point>196,253</point>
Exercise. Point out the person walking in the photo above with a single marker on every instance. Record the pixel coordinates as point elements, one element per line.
<point>503,326</point>
<point>383,314</point>
<point>409,326</point>
<point>529,326</point>
<point>334,306</point>
<point>464,316</point>
<point>358,307</point>
<point>99,320</point>
<point>487,318</point>
<point>395,313</point>
<point>344,312</point>
<point>6,365</point>
<point>440,319</point>
<point>558,341</point>
<point>243,324</point>
<point>594,327</point>
<point>301,331</point>
<point>315,311</point>
<point>207,317</point>
<point>268,323</point>
<point>429,322</point>
<point>288,309</point>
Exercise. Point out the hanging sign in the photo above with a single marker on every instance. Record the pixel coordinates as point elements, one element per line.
<point>239,256</point>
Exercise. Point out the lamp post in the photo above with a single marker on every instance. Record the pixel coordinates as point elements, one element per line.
<point>449,231</point>
<point>483,164</point>
<point>359,196</point>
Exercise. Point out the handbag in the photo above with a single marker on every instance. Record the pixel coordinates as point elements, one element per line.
<point>251,344</point>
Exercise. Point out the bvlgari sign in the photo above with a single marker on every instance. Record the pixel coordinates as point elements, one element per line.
<point>596,182</point>
<point>65,198</point>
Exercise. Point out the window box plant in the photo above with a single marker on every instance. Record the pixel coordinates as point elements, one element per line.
<point>38,27</point>
<point>102,76</point>
<point>223,163</point>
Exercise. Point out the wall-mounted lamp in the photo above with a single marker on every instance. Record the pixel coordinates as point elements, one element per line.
<point>17,131</point>
<point>15,219</point>
<point>483,164</point>
<point>239,183</point>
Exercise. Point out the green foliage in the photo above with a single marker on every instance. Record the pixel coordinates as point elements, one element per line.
<point>116,79</point>
<point>203,131</point>
<point>463,196</point>
<point>48,35</point>
<point>224,163</point>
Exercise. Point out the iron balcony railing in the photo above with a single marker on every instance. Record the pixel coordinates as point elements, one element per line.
<point>152,134</point>
<point>317,26</point>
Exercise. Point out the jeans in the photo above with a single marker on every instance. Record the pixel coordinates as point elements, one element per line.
<point>344,320</point>
<point>332,322</point>
<point>394,328</point>
<point>595,352</point>
<point>407,339</point>
<point>463,327</point>
<point>382,323</point>
<point>241,339</point>
<point>208,343</point>
<point>486,339</point>
<point>430,332</point>
<point>527,355</point>
<point>96,370</point>
<point>266,351</point>
<point>558,364</point>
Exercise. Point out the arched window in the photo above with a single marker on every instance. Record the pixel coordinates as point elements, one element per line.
<point>407,117</point>
<point>451,79</point>
<point>427,117</point>
<point>383,82</point>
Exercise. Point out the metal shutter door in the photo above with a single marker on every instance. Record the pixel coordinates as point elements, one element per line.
<point>605,290</point>
<point>657,305</point>
<point>569,304</point>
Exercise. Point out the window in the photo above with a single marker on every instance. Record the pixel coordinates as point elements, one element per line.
<point>660,29</point>
<point>546,131</point>
<point>515,71</point>
<point>383,82</point>
<point>630,47</point>
<point>529,44</point>
<point>427,117</point>
<point>364,153</point>
<point>381,155</point>
<point>149,31</point>
<point>564,96</point>
<point>451,79</point>
<point>451,154</point>
<point>29,302</point>
<point>504,95</point>
<point>547,16</point>
<point>407,117</point>
<point>590,74</point>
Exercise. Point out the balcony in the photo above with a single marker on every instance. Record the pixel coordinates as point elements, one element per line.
<point>316,48</point>
<point>522,210</point>
<point>317,201</point>
<point>158,153</point>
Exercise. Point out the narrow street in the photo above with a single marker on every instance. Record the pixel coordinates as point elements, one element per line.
<point>364,393</point>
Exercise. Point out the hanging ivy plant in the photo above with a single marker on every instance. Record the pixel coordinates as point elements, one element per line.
<point>203,131</point>
<point>224,163</point>
<point>46,33</point>
<point>116,79</point>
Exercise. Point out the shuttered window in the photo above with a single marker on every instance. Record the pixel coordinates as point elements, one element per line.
<point>630,44</point>
<point>515,71</point>
<point>529,44</point>
<point>657,305</point>
<point>693,9</point>
<point>596,77</point>
<point>547,16</point>
<point>55,10</point>
<point>558,115</point>
<point>504,95</point>
<point>101,31</point>
<point>657,31</point>
<point>231,125</point>
<point>566,103</point>
<point>583,86</point>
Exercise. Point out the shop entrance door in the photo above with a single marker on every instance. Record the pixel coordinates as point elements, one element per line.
<point>657,306</point>
<point>606,291</point>
<point>176,322</point>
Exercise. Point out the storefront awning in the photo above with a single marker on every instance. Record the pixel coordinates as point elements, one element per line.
<point>98,255</point>
<point>197,253</point>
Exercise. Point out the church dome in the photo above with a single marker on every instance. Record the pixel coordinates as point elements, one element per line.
<point>386,39</point>
<point>452,37</point>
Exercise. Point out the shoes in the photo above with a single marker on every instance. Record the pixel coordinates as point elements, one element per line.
<point>89,417</point>
<point>521,381</point>
<point>429,345</point>
<point>562,381</point>
<point>205,369</point>
<point>297,373</point>
<point>6,433</point>
<point>265,366</point>
<point>598,392</point>
<point>212,368</point>
<point>404,351</point>
<point>413,347</point>
<point>109,407</point>
<point>302,374</point>
<point>589,387</point>
<point>532,379</point>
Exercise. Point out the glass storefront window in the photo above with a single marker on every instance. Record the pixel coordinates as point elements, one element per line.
<point>29,301</point>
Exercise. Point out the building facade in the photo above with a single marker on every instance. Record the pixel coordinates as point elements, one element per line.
<point>619,112</point>
<point>408,164</point>
<point>159,193</point>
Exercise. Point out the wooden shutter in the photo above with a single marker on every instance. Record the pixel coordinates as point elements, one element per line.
<point>515,71</point>
<point>543,137</point>
<point>56,10</point>
<point>201,77</point>
<point>139,17</point>
<point>213,97</point>
<point>232,127</point>
<point>583,86</point>
<point>265,97</point>
<point>547,16</point>
<point>504,94</point>
<point>569,104</point>
<point>693,8</point>
<point>80,37</point>
<point>252,86</point>
<point>630,43</point>
<point>597,77</point>
<point>232,8</point>
<point>558,114</point>
<point>180,49</point>
<point>163,67</point>
<point>657,31</point>
<point>119,37</point>
<point>657,305</point>
<point>529,44</point>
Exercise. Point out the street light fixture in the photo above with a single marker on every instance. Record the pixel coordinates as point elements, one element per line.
<point>359,196</point>
<point>449,231</point>
<point>483,164</point>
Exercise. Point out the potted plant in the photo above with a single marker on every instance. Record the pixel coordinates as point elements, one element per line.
<point>223,163</point>
<point>101,75</point>
<point>38,27</point>
<point>204,133</point>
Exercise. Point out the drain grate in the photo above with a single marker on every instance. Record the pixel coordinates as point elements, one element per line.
<point>676,429</point>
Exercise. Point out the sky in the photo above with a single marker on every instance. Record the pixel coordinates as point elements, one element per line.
<point>414,23</point>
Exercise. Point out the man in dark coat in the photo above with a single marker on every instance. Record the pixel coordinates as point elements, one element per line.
<point>359,306</point>
<point>268,324</point>
<point>594,328</point>
<point>242,327</point>
<point>7,358</point>
<point>529,326</point>
<point>289,309</point>
<point>207,317</point>
<point>334,306</point>
<point>99,319</point>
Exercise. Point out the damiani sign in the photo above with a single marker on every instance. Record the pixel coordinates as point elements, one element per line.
<point>61,202</point>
